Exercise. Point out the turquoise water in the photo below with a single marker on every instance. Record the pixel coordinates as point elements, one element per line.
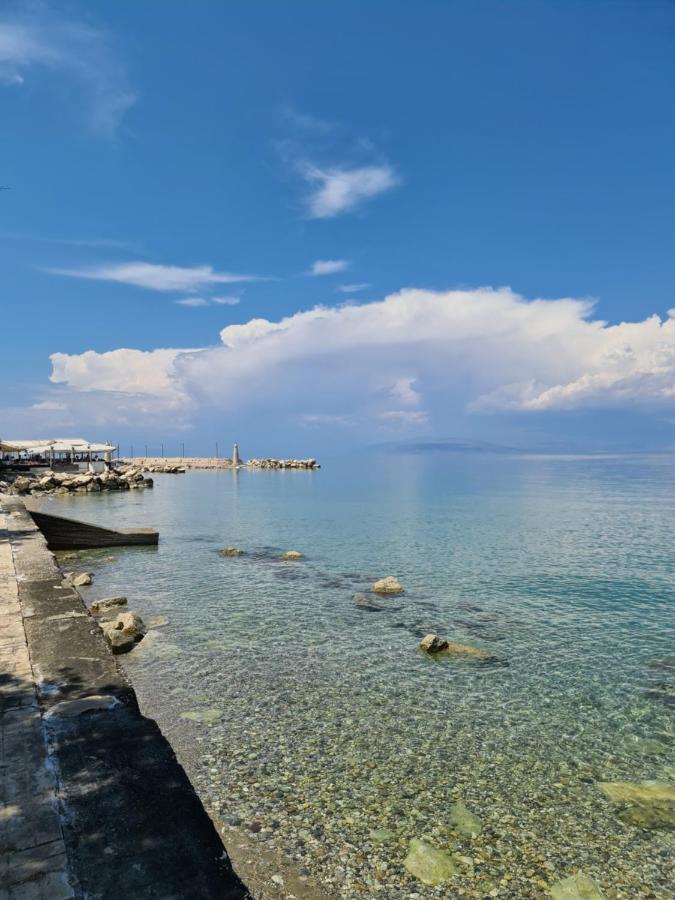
<point>318,728</point>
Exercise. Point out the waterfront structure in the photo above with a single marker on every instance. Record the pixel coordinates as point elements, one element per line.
<point>235,456</point>
<point>64,454</point>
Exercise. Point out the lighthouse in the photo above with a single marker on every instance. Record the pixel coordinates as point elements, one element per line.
<point>235,456</point>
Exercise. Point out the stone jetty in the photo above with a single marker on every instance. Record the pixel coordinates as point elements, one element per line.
<point>179,465</point>
<point>120,478</point>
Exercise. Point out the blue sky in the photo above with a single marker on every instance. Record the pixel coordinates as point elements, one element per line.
<point>189,182</point>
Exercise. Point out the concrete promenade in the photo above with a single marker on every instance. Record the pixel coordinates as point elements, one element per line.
<point>33,860</point>
<point>93,801</point>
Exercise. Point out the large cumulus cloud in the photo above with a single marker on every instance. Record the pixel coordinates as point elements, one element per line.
<point>408,359</point>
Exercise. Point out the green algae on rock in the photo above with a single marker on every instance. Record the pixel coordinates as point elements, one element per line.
<point>576,887</point>
<point>647,804</point>
<point>464,820</point>
<point>429,865</point>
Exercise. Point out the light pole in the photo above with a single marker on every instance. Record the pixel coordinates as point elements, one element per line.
<point>132,451</point>
<point>146,451</point>
<point>216,449</point>
<point>182,451</point>
<point>162,451</point>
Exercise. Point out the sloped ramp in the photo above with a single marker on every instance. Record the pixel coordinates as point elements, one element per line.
<point>71,534</point>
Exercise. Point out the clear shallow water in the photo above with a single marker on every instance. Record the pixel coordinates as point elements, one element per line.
<point>312,723</point>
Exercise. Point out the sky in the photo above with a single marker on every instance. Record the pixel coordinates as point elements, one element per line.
<point>307,226</point>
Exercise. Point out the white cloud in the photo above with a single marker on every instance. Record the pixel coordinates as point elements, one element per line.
<point>328,266</point>
<point>403,391</point>
<point>192,301</point>
<point>482,350</point>
<point>208,301</point>
<point>156,277</point>
<point>353,288</point>
<point>123,371</point>
<point>340,190</point>
<point>41,42</point>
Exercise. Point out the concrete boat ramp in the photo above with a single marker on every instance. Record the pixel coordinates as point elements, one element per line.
<point>93,802</point>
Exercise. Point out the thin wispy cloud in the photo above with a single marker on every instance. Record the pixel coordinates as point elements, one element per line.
<point>336,191</point>
<point>39,43</point>
<point>155,277</point>
<point>110,243</point>
<point>353,288</point>
<point>208,301</point>
<point>329,266</point>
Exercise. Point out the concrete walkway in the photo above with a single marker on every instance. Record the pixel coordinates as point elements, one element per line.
<point>120,818</point>
<point>32,850</point>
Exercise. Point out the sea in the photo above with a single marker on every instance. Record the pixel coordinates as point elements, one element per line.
<point>319,736</point>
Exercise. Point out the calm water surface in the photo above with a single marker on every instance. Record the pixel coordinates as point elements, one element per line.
<point>317,727</point>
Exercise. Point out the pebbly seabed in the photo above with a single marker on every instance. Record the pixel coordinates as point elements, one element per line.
<point>314,728</point>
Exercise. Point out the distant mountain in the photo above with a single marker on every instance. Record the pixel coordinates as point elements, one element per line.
<point>447,445</point>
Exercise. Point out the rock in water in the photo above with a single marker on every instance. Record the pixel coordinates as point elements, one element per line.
<point>646,804</point>
<point>464,820</point>
<point>429,865</point>
<point>388,585</point>
<point>291,554</point>
<point>432,643</point>
<point>98,607</point>
<point>231,551</point>
<point>576,887</point>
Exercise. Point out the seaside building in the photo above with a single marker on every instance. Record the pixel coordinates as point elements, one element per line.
<point>59,454</point>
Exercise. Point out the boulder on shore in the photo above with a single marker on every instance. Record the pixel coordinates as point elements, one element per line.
<point>429,865</point>
<point>388,585</point>
<point>231,551</point>
<point>105,604</point>
<point>81,579</point>
<point>291,554</point>
<point>124,632</point>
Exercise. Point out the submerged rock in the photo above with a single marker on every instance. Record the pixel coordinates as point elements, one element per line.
<point>105,604</point>
<point>202,715</point>
<point>291,554</point>
<point>231,551</point>
<point>429,865</point>
<point>381,835</point>
<point>464,820</point>
<point>663,693</point>
<point>388,585</point>
<point>368,603</point>
<point>646,804</point>
<point>576,887</point>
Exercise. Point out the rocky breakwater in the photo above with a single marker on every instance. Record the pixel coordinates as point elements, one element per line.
<point>47,482</point>
<point>282,464</point>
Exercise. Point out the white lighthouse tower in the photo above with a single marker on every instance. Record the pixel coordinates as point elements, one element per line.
<point>235,456</point>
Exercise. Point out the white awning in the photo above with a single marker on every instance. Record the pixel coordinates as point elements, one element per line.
<point>55,445</point>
